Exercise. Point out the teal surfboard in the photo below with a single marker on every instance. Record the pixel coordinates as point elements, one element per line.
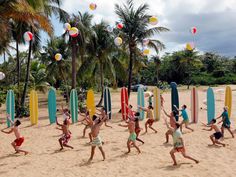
<point>210,105</point>
<point>10,104</point>
<point>107,101</point>
<point>52,105</point>
<point>74,105</point>
<point>174,97</point>
<point>141,102</point>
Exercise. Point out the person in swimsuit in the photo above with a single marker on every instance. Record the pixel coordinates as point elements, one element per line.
<point>172,123</point>
<point>97,141</point>
<point>217,135</point>
<point>226,122</point>
<point>137,127</point>
<point>63,141</point>
<point>178,143</point>
<point>184,114</point>
<point>88,124</point>
<point>132,135</point>
<point>150,118</point>
<point>103,113</point>
<point>19,139</point>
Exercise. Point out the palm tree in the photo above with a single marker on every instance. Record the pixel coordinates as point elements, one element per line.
<point>136,29</point>
<point>157,61</point>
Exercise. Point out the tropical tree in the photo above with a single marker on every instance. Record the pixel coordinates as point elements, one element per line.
<point>136,28</point>
<point>157,61</point>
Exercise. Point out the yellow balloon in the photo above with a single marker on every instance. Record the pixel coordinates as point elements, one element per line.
<point>118,41</point>
<point>58,57</point>
<point>153,20</point>
<point>189,46</point>
<point>146,52</point>
<point>93,6</point>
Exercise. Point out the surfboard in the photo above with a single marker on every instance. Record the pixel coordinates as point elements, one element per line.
<point>194,105</point>
<point>10,104</point>
<point>52,105</point>
<point>141,102</point>
<point>124,103</point>
<point>74,105</point>
<point>174,97</point>
<point>33,107</point>
<point>157,103</point>
<point>107,101</point>
<point>91,103</point>
<point>210,105</point>
<point>228,99</point>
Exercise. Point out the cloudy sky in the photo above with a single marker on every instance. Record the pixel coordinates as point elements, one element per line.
<point>215,21</point>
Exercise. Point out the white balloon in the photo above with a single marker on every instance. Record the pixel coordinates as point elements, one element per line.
<point>2,75</point>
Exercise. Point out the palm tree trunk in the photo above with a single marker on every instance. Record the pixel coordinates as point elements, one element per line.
<point>102,85</point>
<point>131,58</point>
<point>27,75</point>
<point>18,78</point>
<point>4,56</point>
<point>74,56</point>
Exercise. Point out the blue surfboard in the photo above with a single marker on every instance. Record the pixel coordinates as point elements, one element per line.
<point>141,102</point>
<point>107,101</point>
<point>52,105</point>
<point>210,105</point>
<point>174,97</point>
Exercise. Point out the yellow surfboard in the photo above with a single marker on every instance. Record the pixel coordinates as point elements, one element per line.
<point>228,99</point>
<point>91,103</point>
<point>157,103</point>
<point>33,107</point>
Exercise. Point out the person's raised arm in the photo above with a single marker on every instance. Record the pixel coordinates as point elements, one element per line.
<point>167,125</point>
<point>58,122</point>
<point>208,129</point>
<point>177,108</point>
<point>218,117</point>
<point>7,132</point>
<point>165,113</point>
<point>8,118</point>
<point>142,108</point>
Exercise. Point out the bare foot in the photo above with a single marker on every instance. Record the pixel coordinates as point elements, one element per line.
<point>196,161</point>
<point>127,152</point>
<point>61,149</point>
<point>155,131</point>
<point>174,164</point>
<point>26,153</point>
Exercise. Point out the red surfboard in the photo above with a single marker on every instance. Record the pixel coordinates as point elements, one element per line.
<point>124,103</point>
<point>194,105</point>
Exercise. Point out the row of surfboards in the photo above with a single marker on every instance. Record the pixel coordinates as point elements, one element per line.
<point>90,102</point>
<point>52,105</point>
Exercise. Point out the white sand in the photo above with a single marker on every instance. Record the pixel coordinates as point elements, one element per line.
<point>45,160</point>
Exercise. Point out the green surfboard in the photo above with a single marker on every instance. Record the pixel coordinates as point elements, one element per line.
<point>10,104</point>
<point>141,102</point>
<point>107,101</point>
<point>52,105</point>
<point>74,105</point>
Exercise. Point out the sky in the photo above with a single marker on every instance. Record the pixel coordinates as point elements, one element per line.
<point>215,22</point>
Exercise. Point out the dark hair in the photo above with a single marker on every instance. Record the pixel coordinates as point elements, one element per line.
<point>17,123</point>
<point>103,108</point>
<point>213,120</point>
<point>150,107</point>
<point>131,106</point>
<point>94,117</point>
<point>65,110</point>
<point>137,114</point>
<point>177,125</point>
<point>184,106</point>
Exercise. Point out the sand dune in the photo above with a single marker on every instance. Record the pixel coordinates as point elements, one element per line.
<point>45,160</point>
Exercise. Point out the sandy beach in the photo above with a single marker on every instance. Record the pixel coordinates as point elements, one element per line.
<point>44,158</point>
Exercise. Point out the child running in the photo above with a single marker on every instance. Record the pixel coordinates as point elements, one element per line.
<point>132,137</point>
<point>226,122</point>
<point>137,127</point>
<point>150,118</point>
<point>172,123</point>
<point>104,114</point>
<point>97,141</point>
<point>19,139</point>
<point>184,114</point>
<point>66,134</point>
<point>178,143</point>
<point>217,135</point>
<point>88,124</point>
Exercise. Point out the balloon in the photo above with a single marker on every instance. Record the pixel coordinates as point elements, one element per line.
<point>119,25</point>
<point>146,51</point>
<point>93,6</point>
<point>74,32</point>
<point>193,30</point>
<point>67,26</point>
<point>109,29</point>
<point>58,57</point>
<point>153,20</point>
<point>28,36</point>
<point>145,41</point>
<point>118,41</point>
<point>2,75</point>
<point>190,46</point>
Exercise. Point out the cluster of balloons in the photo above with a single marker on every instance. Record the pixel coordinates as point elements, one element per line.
<point>2,75</point>
<point>28,36</point>
<point>73,31</point>
<point>93,6</point>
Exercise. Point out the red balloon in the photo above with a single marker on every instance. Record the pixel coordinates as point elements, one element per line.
<point>120,26</point>
<point>193,30</point>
